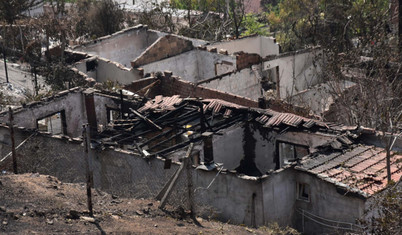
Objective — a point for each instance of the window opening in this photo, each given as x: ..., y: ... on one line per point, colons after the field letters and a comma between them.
x: 289, y: 153
x: 54, y: 123
x: 303, y: 192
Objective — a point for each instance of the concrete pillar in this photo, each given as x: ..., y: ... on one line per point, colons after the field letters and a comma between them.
x: 208, y: 148
x: 90, y: 109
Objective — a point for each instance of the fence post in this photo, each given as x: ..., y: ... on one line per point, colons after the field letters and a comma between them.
x: 87, y: 146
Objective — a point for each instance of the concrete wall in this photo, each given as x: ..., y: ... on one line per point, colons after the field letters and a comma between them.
x: 243, y: 83
x: 230, y: 198
x: 122, y: 46
x: 57, y: 156
x: 162, y: 48
x: 325, y: 202
x: 263, y: 46
x: 206, y: 62
x: 264, y: 148
x: 279, y: 190
x: 191, y: 66
x: 228, y: 147
x: 71, y: 103
x: 297, y: 72
x: 184, y: 65
x: 101, y: 102
x: 238, y: 199
x: 319, y: 98
x: 108, y: 71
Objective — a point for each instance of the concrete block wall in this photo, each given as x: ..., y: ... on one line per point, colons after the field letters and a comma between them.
x: 163, y: 48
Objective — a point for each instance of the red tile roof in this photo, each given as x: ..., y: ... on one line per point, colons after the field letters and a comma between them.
x: 362, y: 168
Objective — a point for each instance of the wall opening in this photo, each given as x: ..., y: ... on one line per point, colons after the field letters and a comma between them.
x: 54, y: 123
x: 270, y: 81
x: 289, y: 153
x: 112, y: 114
x: 303, y: 192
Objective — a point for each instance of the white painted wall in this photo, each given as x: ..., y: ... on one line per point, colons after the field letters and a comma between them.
x: 297, y: 72
x: 261, y: 45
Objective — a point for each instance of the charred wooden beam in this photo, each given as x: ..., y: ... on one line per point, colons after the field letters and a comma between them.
x: 157, y: 137
x: 147, y: 120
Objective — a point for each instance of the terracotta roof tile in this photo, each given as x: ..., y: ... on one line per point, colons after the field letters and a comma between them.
x: 363, y: 168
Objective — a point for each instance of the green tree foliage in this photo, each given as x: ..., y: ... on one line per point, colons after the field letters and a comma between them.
x: 309, y: 22
x: 253, y: 26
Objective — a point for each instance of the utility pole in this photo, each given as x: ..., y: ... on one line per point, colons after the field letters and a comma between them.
x: 86, y: 136
x: 11, y: 126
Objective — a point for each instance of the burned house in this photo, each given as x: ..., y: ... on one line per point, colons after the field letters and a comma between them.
x: 251, y: 67
x: 248, y: 165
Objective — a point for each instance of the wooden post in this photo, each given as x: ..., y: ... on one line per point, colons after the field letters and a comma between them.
x: 11, y: 125
x: 87, y: 145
